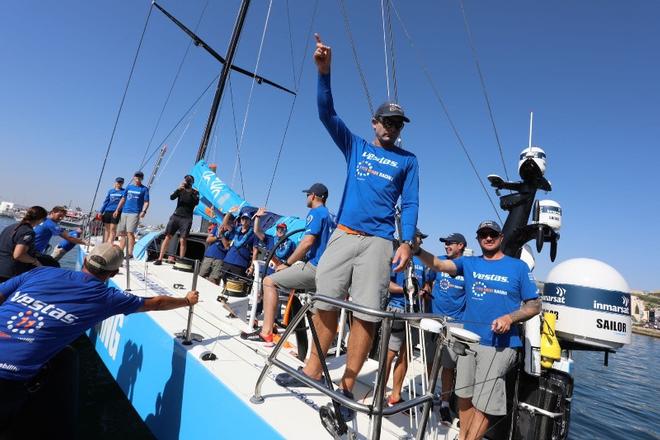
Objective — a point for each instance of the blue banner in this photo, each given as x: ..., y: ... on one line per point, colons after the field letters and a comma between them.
x: 214, y: 193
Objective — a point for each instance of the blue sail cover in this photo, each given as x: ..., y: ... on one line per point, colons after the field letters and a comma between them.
x: 217, y: 198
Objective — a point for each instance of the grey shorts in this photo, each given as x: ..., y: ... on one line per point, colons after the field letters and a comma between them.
x: 481, y: 377
x: 447, y: 356
x: 300, y: 276
x: 211, y: 268
x: 359, y: 263
x: 128, y: 223
x: 398, y: 335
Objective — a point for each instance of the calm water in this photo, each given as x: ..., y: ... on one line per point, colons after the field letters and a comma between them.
x: 621, y: 401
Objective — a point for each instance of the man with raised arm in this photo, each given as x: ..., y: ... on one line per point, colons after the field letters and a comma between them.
x: 500, y: 292
x: 44, y: 310
x: 298, y: 271
x: 359, y: 253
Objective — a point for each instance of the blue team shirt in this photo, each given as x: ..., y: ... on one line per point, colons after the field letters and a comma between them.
x: 44, y: 232
x: 240, y: 252
x: 494, y: 288
x: 135, y: 198
x: 375, y: 179
x: 320, y: 224
x: 216, y: 249
x: 419, y: 272
x: 66, y: 244
x: 47, y: 308
x: 112, y: 200
x: 283, y: 251
x: 448, y: 294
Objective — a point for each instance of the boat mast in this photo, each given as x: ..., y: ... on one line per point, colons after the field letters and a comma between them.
x: 233, y: 43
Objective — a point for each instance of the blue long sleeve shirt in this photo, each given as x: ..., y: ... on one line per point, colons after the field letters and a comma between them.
x: 112, y: 200
x: 375, y: 179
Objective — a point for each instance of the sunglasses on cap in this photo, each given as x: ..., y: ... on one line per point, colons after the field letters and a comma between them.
x: 488, y: 233
x: 390, y: 122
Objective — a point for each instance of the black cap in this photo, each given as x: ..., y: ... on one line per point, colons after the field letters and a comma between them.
x: 188, y: 178
x: 139, y: 174
x: 318, y: 189
x: 387, y: 109
x: 490, y: 224
x: 420, y: 234
x: 454, y: 237
x: 119, y: 180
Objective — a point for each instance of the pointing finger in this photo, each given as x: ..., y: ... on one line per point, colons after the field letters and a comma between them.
x: 318, y: 39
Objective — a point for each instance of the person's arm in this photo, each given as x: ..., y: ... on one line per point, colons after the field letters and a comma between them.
x: 430, y: 260
x: 105, y: 202
x: 120, y: 206
x: 300, y: 252
x: 164, y: 302
x: 176, y: 193
x: 327, y: 114
x: 257, y: 226
x: 21, y: 254
x: 529, y: 308
x: 65, y: 235
x: 395, y: 288
x: 409, y: 212
x: 144, y: 209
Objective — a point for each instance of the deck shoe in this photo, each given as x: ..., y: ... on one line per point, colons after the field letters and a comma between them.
x: 445, y: 415
x: 347, y: 413
x: 256, y: 336
x: 288, y: 381
x: 158, y: 262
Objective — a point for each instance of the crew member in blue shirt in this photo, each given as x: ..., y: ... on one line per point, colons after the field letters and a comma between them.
x: 65, y: 246
x: 400, y: 301
x: 216, y: 251
x: 268, y: 242
x: 108, y: 208
x: 298, y: 271
x: 500, y: 292
x: 50, y: 227
x: 132, y: 207
x: 448, y: 299
x: 359, y: 253
x: 239, y: 256
x: 45, y: 309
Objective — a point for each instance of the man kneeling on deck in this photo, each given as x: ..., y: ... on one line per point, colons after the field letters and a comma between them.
x: 359, y: 252
x: 500, y: 291
x: 44, y: 310
x: 299, y: 270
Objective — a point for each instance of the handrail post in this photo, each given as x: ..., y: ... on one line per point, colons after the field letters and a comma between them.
x: 128, y: 266
x: 187, y: 335
x: 379, y: 393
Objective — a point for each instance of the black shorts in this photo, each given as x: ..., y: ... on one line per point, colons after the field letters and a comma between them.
x: 180, y: 224
x: 108, y: 218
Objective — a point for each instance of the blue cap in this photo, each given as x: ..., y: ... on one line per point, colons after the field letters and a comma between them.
x: 119, y: 180
x: 388, y: 109
x: 490, y: 224
x: 454, y: 237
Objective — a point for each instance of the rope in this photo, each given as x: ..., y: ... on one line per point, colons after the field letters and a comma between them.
x: 427, y: 74
x: 293, y: 104
x: 387, y: 72
x: 169, y: 94
x: 121, y: 106
x: 254, y: 81
x: 347, y: 25
x: 483, y: 87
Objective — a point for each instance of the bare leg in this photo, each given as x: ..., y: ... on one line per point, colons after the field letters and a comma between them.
x: 182, y: 247
x: 479, y: 425
x: 112, y: 233
x: 447, y: 377
x: 131, y: 242
x: 106, y: 232
x: 325, y: 322
x: 359, y: 344
x: 270, y: 306
x: 400, y: 369
x: 388, y: 364
x: 122, y: 241
x: 465, y: 415
x: 163, y: 246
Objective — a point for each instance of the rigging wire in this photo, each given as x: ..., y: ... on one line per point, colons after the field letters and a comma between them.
x: 392, y: 57
x: 237, y: 164
x: 288, y: 20
x: 483, y: 86
x: 347, y: 25
x: 121, y: 106
x: 387, y: 66
x: 174, y: 81
x: 427, y: 74
x: 183, y: 133
x: 254, y: 81
x: 293, y: 104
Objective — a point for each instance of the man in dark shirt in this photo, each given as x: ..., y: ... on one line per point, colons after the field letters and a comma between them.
x: 181, y: 220
x: 17, y: 251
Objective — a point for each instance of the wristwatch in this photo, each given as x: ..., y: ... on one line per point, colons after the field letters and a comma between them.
x: 408, y: 242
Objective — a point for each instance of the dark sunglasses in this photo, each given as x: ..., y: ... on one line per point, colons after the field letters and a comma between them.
x: 391, y: 123
x: 486, y: 234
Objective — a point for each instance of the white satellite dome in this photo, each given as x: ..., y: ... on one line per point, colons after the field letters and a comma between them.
x: 588, y: 272
x: 535, y: 153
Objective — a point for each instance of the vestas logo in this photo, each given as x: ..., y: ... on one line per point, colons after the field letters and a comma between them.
x: 45, y: 308
x: 490, y: 277
x: 380, y: 160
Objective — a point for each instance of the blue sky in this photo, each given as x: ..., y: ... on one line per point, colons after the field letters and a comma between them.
x: 589, y: 70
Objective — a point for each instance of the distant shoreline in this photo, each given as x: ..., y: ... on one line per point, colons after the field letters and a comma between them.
x: 646, y: 331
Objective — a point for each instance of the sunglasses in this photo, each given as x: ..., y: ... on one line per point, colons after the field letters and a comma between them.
x: 391, y: 123
x: 486, y: 234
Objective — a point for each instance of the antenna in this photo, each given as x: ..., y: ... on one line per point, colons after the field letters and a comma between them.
x: 531, y: 124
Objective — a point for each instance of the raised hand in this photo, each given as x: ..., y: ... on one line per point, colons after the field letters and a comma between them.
x: 322, y: 56
x: 260, y: 212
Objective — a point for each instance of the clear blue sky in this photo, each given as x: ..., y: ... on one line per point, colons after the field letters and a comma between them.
x: 589, y: 70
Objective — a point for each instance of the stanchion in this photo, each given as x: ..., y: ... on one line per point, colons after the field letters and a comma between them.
x: 128, y: 267
x: 187, y: 335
